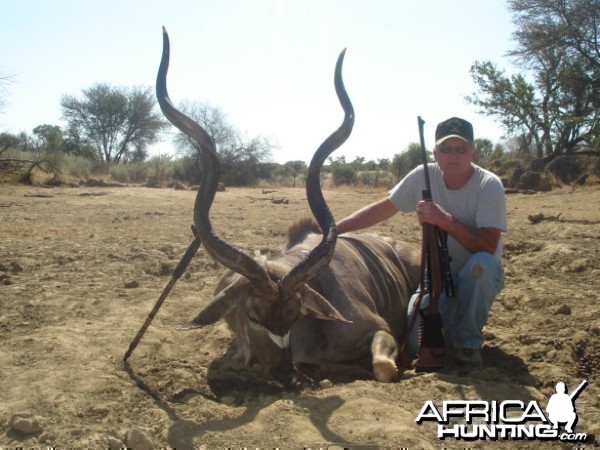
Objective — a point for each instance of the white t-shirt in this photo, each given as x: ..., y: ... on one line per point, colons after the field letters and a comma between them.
x: 479, y: 203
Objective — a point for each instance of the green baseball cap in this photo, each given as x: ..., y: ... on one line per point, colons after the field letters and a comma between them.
x: 454, y: 127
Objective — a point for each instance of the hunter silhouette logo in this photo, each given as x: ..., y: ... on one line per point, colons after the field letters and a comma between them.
x: 508, y: 419
x: 561, y: 406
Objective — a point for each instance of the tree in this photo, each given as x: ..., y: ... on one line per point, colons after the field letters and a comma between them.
x: 384, y: 163
x: 25, y: 142
x: 8, y: 141
x: 358, y: 163
x: 571, y: 28
x: 343, y: 174
x: 75, y: 145
x: 240, y: 157
x: 569, y: 25
x: 114, y: 120
x: 49, y: 138
x: 212, y: 119
x: 18, y: 165
x: 294, y: 168
x: 485, y: 147
x: 407, y: 160
x: 557, y: 112
x: 4, y: 80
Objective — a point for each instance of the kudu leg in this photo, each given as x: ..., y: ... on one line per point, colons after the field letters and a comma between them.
x: 384, y: 351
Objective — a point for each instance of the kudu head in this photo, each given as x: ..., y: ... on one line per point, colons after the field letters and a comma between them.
x: 271, y: 301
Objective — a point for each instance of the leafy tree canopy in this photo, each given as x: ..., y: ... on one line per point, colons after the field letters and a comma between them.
x: 240, y: 156
x: 406, y: 161
x: 554, y: 105
x: 116, y: 121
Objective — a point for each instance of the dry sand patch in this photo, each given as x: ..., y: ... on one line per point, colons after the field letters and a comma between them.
x: 80, y: 268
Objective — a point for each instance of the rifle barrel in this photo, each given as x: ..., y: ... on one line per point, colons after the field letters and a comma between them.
x: 427, y: 191
x: 577, y: 390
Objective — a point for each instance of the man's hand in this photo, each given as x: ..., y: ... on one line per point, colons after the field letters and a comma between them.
x: 429, y: 212
x: 473, y: 239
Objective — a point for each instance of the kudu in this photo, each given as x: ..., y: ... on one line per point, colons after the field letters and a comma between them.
x: 321, y: 300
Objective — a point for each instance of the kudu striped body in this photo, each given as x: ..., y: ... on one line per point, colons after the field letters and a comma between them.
x: 322, y: 299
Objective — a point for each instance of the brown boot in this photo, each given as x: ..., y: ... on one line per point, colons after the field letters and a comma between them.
x: 430, y: 360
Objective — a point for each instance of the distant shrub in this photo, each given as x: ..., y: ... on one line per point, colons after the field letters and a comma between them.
x: 343, y: 174
x: 77, y: 167
x: 504, y: 165
x: 135, y: 172
x: 25, y: 176
x: 187, y: 169
x: 375, y: 179
x: 161, y: 167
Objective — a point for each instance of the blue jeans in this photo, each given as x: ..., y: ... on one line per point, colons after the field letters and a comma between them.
x: 476, y: 285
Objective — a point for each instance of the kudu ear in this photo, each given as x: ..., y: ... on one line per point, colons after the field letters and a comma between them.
x: 221, y: 304
x: 315, y: 305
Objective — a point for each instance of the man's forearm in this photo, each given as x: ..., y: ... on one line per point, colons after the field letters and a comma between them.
x: 473, y: 239
x: 368, y: 216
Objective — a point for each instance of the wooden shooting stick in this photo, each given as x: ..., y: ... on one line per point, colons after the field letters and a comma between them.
x: 179, y: 270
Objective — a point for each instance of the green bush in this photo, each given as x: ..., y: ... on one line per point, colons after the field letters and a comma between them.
x: 504, y: 165
x: 135, y: 172
x: 77, y: 167
x: 376, y: 179
x: 161, y: 167
x: 343, y: 174
x: 187, y: 169
x: 24, y: 176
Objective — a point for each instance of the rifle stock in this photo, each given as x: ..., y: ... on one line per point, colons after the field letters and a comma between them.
x: 434, y: 282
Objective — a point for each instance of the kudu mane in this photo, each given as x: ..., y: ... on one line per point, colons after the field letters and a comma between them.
x: 298, y: 230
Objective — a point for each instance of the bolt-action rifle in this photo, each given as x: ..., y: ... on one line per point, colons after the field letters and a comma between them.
x: 435, y: 277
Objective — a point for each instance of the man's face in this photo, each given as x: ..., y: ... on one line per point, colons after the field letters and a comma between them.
x: 454, y: 156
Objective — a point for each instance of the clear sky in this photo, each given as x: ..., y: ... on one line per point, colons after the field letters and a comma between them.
x: 268, y: 64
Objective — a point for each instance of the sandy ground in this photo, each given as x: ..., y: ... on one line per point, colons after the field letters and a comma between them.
x: 80, y: 268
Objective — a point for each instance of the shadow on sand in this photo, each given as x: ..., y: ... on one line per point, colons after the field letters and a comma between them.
x: 237, y: 385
